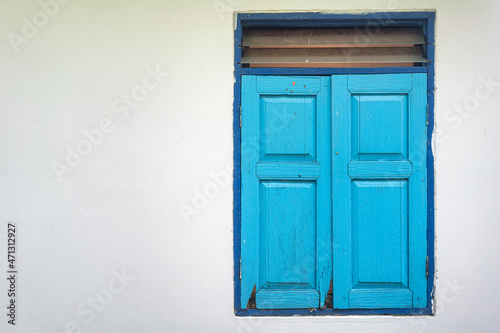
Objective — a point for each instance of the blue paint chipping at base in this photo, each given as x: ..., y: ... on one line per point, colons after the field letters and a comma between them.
x: 424, y: 19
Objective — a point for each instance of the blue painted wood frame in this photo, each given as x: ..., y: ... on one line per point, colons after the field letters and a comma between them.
x: 424, y: 19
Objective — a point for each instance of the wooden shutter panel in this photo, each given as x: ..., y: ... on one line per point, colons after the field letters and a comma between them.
x: 285, y: 192
x: 379, y: 205
x: 333, y: 47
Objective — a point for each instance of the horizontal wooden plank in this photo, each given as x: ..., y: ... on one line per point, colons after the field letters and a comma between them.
x: 338, y: 36
x: 288, y: 170
x: 391, y: 83
x: 299, y: 70
x: 380, y: 169
x: 334, y: 55
x: 327, y: 46
x: 287, y: 299
x: 370, y: 298
x: 338, y: 65
x: 297, y: 84
x: 286, y: 285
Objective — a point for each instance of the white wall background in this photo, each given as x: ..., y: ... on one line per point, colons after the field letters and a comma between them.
x: 119, y: 209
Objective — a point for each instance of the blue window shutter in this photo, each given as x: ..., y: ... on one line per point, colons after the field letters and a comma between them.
x: 286, y: 186
x: 340, y: 157
x: 379, y: 196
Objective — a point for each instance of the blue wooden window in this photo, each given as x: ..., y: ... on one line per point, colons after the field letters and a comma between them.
x: 333, y: 189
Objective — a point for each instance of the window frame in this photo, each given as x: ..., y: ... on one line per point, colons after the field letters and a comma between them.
x: 424, y: 19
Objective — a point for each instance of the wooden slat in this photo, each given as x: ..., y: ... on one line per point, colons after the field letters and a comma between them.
x: 328, y: 46
x: 334, y: 65
x: 341, y: 134
x: 250, y: 196
x: 287, y: 299
x: 417, y: 190
x: 378, y: 83
x: 297, y: 84
x: 337, y: 36
x: 380, y: 298
x: 334, y: 55
x: 379, y: 169
x: 278, y: 170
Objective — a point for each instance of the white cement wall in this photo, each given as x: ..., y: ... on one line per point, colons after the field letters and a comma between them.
x: 107, y: 250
